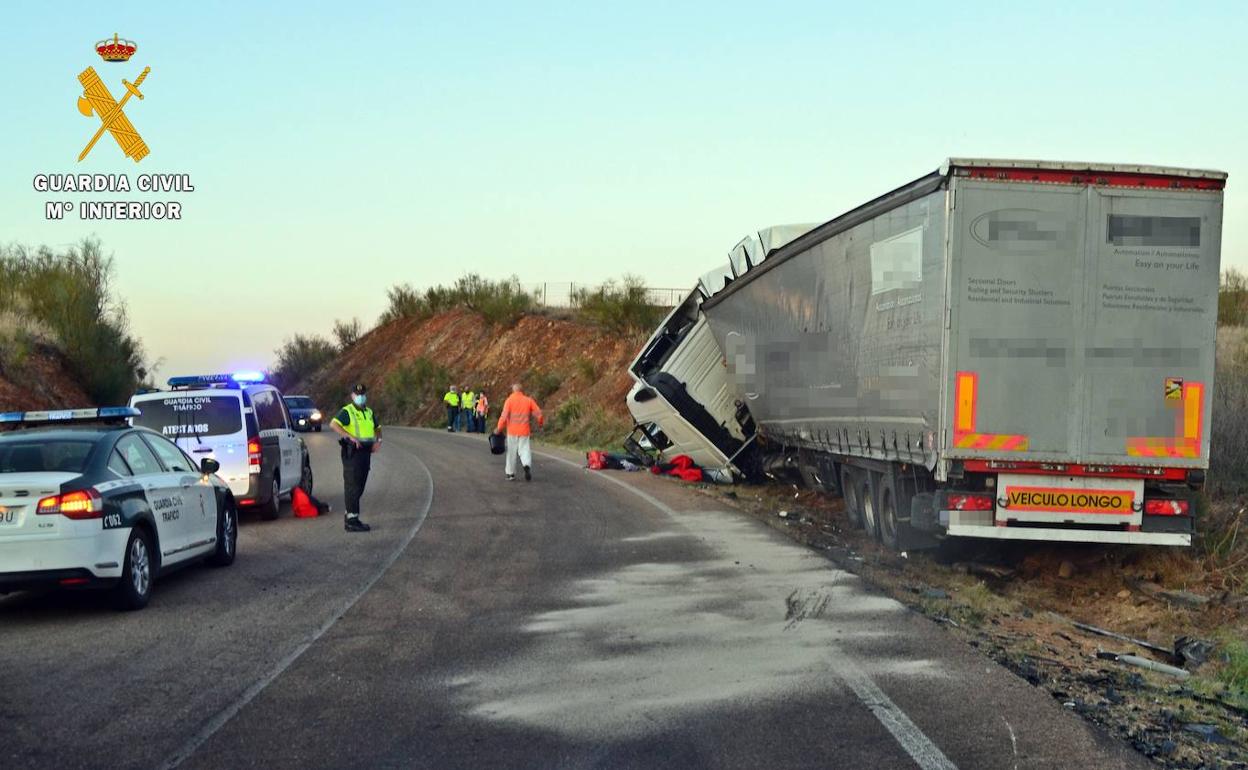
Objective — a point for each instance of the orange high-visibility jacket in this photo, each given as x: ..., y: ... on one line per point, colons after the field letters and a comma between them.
x: 518, y: 411
x: 483, y: 405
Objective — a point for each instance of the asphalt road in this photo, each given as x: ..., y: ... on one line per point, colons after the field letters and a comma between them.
x: 586, y: 619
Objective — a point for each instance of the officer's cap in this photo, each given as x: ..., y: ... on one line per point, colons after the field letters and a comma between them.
x: 359, y: 390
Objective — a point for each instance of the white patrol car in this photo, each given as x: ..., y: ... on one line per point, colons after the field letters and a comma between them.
x: 240, y: 421
x: 87, y: 501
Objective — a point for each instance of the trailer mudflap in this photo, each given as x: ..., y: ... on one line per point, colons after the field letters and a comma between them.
x: 1107, y: 502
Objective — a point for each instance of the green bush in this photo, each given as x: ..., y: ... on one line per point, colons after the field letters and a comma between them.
x: 300, y: 357
x: 569, y: 411
x: 347, y: 333
x: 409, y: 390
x: 590, y: 428
x: 499, y: 302
x: 586, y: 368
x: 66, y: 299
x: 541, y: 384
x: 622, y: 307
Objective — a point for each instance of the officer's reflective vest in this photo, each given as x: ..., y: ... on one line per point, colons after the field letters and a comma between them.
x: 363, y: 427
x: 451, y: 398
x: 466, y: 399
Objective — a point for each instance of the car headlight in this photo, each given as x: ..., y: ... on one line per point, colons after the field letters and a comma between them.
x: 316, y: 415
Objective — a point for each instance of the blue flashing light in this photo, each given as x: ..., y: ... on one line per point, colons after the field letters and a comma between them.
x: 113, y: 412
x: 11, y: 416
x: 207, y: 380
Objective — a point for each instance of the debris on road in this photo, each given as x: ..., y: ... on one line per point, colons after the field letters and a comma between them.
x: 1123, y: 638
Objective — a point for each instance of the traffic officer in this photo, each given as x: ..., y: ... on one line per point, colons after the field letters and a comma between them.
x: 467, y: 402
x: 451, y: 399
x: 360, y: 439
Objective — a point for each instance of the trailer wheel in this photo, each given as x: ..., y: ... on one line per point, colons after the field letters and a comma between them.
x: 870, y: 512
x: 851, y: 493
x: 888, y: 513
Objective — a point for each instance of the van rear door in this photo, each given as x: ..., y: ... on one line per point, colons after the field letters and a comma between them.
x: 204, y: 423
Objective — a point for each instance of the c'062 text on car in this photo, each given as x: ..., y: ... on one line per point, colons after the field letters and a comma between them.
x: 88, y: 501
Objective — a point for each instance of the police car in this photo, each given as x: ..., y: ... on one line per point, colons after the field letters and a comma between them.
x: 87, y: 501
x: 240, y: 421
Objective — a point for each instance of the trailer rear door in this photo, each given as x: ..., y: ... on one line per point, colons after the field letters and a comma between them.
x: 1082, y: 322
x: 1152, y: 288
x: 1016, y: 319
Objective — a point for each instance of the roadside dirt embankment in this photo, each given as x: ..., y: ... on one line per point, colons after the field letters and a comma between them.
x: 37, y: 379
x: 577, y: 372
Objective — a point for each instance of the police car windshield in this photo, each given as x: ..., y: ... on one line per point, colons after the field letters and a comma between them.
x: 298, y: 402
x: 34, y: 455
x: 176, y: 415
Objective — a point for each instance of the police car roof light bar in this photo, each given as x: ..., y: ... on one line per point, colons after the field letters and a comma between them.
x: 108, y: 413
x: 208, y: 380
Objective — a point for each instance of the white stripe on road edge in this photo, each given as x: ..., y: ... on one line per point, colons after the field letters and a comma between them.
x: 926, y: 754
x: 225, y: 715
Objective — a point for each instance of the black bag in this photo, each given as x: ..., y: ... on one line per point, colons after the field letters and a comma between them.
x: 498, y: 444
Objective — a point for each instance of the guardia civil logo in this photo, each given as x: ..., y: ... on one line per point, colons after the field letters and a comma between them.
x: 97, y: 100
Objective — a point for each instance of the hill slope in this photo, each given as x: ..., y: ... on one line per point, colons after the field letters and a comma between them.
x: 37, y: 378
x: 577, y: 372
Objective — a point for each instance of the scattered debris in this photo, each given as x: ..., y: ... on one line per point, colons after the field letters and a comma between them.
x: 1151, y: 665
x: 1192, y: 653
x: 1209, y: 732
x: 986, y: 570
x: 1123, y: 638
x: 934, y: 593
x: 1186, y: 598
x: 1066, y: 571
x: 784, y: 514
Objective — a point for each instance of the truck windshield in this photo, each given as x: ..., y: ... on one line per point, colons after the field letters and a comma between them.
x: 186, y: 415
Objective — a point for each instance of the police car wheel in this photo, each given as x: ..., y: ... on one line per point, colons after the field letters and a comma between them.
x: 135, y: 587
x: 305, y: 480
x: 274, y: 507
x: 227, y: 536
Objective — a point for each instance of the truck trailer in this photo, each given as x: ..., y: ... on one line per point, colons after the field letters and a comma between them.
x: 1007, y: 349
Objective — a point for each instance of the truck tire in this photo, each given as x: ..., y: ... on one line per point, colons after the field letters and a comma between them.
x: 886, y: 508
x: 867, y: 487
x: 851, y: 494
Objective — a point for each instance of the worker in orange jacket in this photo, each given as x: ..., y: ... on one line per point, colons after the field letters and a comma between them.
x: 519, y: 411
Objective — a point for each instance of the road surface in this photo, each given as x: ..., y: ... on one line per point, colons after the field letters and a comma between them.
x: 586, y: 619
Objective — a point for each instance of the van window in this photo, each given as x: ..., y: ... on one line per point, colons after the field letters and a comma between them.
x: 175, y: 416
x: 269, y: 412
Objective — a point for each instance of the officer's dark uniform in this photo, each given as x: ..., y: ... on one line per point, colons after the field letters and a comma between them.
x: 360, y: 423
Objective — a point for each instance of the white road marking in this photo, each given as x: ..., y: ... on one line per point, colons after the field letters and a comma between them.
x: 925, y: 753
x: 229, y: 712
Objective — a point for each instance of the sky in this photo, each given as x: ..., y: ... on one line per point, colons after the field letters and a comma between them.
x: 337, y: 149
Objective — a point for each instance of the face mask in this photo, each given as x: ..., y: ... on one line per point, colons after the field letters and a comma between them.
x: 359, y: 400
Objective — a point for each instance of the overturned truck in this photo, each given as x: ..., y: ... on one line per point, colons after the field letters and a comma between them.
x: 1000, y: 349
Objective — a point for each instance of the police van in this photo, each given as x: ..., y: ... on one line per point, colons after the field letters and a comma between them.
x: 240, y: 421
x: 87, y: 501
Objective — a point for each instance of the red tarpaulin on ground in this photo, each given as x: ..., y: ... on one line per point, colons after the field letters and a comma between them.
x: 681, y: 466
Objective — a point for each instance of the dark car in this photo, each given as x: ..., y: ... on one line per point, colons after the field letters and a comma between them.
x: 87, y: 501
x: 303, y: 413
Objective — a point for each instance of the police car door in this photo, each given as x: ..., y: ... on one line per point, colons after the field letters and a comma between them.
x: 162, y: 490
x: 196, y: 500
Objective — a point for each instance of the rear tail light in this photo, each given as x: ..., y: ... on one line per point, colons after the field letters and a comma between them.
x: 84, y: 504
x: 1158, y: 507
x: 253, y: 455
x: 968, y: 503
